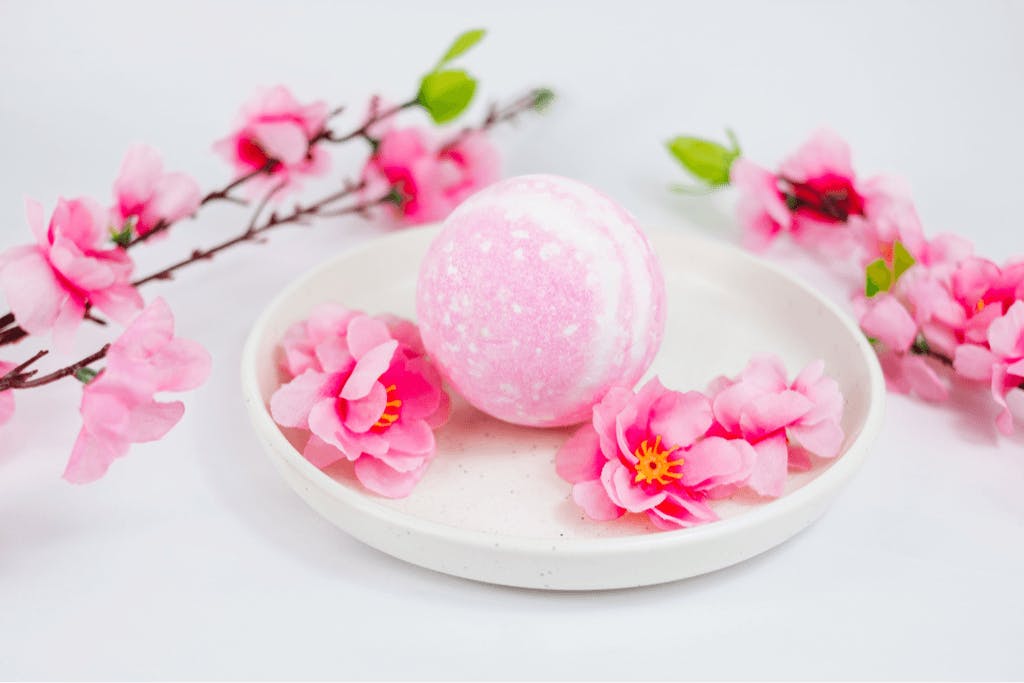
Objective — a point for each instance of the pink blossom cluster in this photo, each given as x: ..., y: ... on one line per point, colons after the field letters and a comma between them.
x: 363, y: 390
x: 668, y: 454
x: 79, y: 267
x: 934, y: 311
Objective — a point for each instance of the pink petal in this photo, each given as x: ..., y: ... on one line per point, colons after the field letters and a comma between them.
x: 1006, y: 334
x: 715, y: 461
x: 91, y: 457
x: 627, y: 493
x: 384, y: 481
x: 321, y: 453
x: 410, y: 436
x: 403, y: 462
x: 680, y: 419
x: 291, y: 405
x: 333, y: 355
x: 974, y: 362
x: 370, y: 366
x: 605, y: 414
x: 580, y: 458
x: 363, y: 413
x: 680, y: 511
x: 366, y: 333
x: 728, y: 405
x: 923, y: 379
x: 768, y: 413
x: 32, y: 291
x: 768, y: 477
x: 284, y: 141
x: 888, y: 321
x: 824, y: 439
x: 140, y: 171
x: 152, y: 420
x: 177, y: 196
x: 120, y: 302
x: 69, y: 319
x: 591, y: 496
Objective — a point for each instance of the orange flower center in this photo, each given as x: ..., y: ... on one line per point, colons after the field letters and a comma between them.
x: 980, y: 306
x: 655, y: 464
x: 391, y: 411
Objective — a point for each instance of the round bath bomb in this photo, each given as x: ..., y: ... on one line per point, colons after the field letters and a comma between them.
x: 538, y: 295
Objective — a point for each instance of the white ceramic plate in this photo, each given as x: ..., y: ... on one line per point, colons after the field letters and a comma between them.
x: 491, y: 507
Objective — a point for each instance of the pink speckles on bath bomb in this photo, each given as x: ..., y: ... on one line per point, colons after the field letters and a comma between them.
x: 540, y: 294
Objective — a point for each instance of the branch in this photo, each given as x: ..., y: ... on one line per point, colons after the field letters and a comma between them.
x: 20, y: 378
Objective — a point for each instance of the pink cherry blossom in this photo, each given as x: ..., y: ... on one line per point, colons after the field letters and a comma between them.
x: 145, y: 193
x: 431, y: 179
x: 366, y: 393
x: 763, y: 407
x: 1000, y: 362
x: 6, y: 397
x: 812, y: 197
x: 118, y: 407
x: 49, y: 284
x: 275, y: 129
x: 648, y: 452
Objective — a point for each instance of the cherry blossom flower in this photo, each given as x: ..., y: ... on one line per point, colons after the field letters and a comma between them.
x: 366, y: 393
x: 812, y: 197
x: 118, y: 406
x: 275, y: 129
x: 648, y: 452
x: 763, y: 407
x: 6, y: 397
x: 48, y: 285
x: 1000, y: 362
x: 147, y: 196
x: 431, y: 180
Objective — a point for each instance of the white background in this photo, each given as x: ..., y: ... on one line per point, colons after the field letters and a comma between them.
x: 192, y: 558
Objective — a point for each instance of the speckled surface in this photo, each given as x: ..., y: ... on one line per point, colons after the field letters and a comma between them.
x: 539, y: 294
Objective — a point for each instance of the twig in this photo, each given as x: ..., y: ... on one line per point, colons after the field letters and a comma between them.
x: 18, y: 378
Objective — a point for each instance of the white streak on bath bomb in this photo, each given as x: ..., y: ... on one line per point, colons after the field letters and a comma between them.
x: 539, y: 295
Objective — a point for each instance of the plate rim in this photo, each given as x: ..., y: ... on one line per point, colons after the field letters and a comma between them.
x: 365, y: 503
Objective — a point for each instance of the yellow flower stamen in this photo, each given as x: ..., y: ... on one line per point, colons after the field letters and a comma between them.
x: 653, y: 464
x: 387, y: 419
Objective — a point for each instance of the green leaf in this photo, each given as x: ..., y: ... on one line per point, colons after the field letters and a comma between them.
x: 85, y: 375
x: 705, y: 159
x: 901, y: 259
x: 542, y: 99
x: 877, y: 278
x: 461, y: 45
x: 122, y: 236
x: 446, y: 94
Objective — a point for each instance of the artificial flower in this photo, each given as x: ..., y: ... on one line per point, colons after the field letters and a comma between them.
x: 648, y: 452
x: 366, y: 394
x: 276, y: 131
x: 49, y: 284
x: 764, y: 408
x: 149, y: 197
x: 430, y: 180
x: 812, y: 196
x: 1000, y: 362
x: 118, y: 406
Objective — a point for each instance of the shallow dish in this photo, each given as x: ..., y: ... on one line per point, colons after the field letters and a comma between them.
x: 491, y: 507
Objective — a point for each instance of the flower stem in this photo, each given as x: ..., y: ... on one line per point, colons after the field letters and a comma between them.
x: 22, y: 378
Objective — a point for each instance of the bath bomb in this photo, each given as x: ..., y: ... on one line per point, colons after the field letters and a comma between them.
x: 538, y: 295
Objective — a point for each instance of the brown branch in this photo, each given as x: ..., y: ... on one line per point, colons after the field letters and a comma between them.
x: 19, y: 378
x: 253, y: 231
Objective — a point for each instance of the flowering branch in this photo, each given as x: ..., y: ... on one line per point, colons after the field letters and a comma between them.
x: 931, y: 308
x: 73, y: 271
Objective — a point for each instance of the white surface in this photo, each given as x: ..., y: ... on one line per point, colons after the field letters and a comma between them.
x: 193, y: 559
x: 491, y: 506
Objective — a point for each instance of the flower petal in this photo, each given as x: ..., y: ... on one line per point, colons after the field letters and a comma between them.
x: 291, y: 404
x: 382, y: 480
x: 768, y: 477
x: 974, y: 362
x: 580, y: 458
x: 361, y: 414
x: 370, y: 366
x: 680, y: 419
x: 591, y: 496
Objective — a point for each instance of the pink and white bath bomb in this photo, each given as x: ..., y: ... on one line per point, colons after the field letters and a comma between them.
x: 539, y: 295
